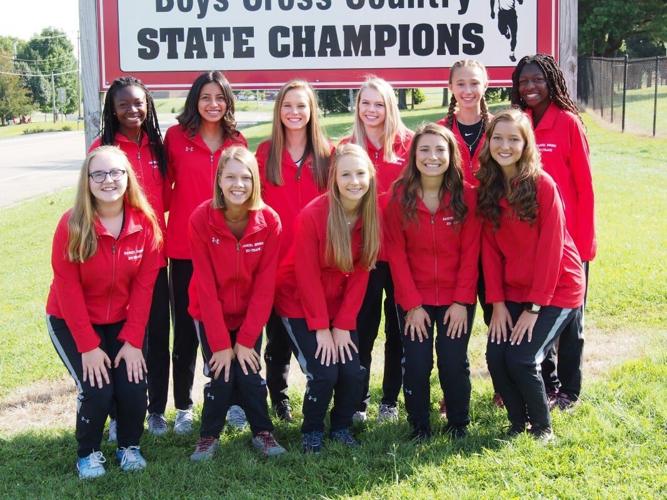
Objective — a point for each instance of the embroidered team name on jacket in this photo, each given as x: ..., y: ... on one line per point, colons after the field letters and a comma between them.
x: 133, y: 255
x: 449, y: 220
x: 255, y: 247
x: 547, y: 147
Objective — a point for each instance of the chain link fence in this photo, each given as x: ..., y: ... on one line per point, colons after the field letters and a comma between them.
x: 630, y: 93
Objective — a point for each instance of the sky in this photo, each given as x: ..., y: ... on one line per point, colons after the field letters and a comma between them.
x: 24, y: 19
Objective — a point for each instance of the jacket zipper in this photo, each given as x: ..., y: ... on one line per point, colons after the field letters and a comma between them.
x: 435, y: 260
x: 113, y: 277
x: 236, y: 281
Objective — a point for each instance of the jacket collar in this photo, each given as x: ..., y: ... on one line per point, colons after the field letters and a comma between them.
x: 131, y: 223
x: 548, y: 120
x: 120, y: 138
x: 216, y: 219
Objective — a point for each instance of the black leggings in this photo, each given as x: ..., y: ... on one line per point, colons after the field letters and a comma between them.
x: 94, y: 404
x: 157, y: 345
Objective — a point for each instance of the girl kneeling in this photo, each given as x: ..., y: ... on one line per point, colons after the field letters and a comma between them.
x: 234, y: 240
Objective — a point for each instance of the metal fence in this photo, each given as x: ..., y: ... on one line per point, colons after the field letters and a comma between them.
x: 631, y: 93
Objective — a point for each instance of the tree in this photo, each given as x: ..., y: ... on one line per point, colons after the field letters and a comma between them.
x: 51, y: 52
x: 14, y: 98
x: 334, y: 101
x: 605, y: 25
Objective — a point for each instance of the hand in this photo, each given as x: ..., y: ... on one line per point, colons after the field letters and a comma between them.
x: 135, y: 364
x: 247, y: 356
x: 457, y: 316
x: 326, y: 349
x: 416, y: 321
x: 524, y: 325
x: 343, y: 342
x: 221, y: 360
x: 95, y: 364
x: 500, y: 321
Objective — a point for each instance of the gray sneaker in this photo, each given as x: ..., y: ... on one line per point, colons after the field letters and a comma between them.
x: 359, y: 417
x: 113, y: 426
x: 267, y: 444
x: 236, y: 417
x: 183, y: 422
x: 205, y: 449
x: 387, y: 413
x: 157, y: 424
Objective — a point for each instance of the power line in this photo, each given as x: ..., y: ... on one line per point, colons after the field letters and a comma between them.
x: 29, y: 75
x: 64, y: 57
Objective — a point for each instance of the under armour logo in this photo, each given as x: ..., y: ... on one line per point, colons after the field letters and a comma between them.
x: 215, y: 241
x: 408, y: 391
x: 189, y: 149
x: 210, y: 396
x: 312, y: 398
x: 85, y: 420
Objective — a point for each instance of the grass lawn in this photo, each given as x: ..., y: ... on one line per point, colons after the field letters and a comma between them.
x: 38, y: 126
x: 613, y: 445
x: 639, y: 105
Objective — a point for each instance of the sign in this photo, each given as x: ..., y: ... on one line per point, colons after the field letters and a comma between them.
x: 260, y: 44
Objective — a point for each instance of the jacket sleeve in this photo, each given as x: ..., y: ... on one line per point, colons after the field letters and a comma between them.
x: 67, y: 285
x: 308, y: 273
x: 263, y: 289
x: 492, y: 266
x: 210, y: 306
x: 141, y: 293
x: 355, y: 289
x: 405, y: 290
x: 580, y: 166
x: 549, y: 252
x: 471, y: 233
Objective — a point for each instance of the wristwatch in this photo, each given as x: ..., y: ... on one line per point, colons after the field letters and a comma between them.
x: 532, y: 308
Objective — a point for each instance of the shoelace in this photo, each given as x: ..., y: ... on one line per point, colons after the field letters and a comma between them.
x: 205, y: 443
x: 345, y: 437
x: 267, y: 439
x: 96, y: 459
x: 130, y: 455
x: 313, y: 440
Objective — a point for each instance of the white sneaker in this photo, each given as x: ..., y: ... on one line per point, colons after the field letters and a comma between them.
x: 387, y: 413
x: 359, y: 417
x: 236, y: 417
x: 113, y: 427
x: 183, y: 422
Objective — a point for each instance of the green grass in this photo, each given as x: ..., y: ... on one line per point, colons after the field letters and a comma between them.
x: 639, y: 104
x: 612, y: 446
x: 38, y: 126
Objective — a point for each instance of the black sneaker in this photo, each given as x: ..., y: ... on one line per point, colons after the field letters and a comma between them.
x: 516, y: 430
x: 420, y: 434
x: 456, y: 431
x: 284, y: 411
x: 542, y: 434
x: 565, y: 402
x: 345, y: 437
x: 312, y: 441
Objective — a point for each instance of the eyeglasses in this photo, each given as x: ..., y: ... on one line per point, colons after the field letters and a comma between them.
x: 100, y: 176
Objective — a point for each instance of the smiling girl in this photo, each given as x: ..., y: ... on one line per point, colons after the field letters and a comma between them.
x: 206, y: 127
x: 433, y: 248
x: 321, y: 285
x: 231, y: 303
x: 105, y: 258
x: 534, y: 276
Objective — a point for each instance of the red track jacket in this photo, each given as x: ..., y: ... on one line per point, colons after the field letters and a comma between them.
x: 115, y: 284
x: 533, y: 263
x: 234, y: 280
x: 191, y: 170
x: 308, y: 287
x: 433, y: 260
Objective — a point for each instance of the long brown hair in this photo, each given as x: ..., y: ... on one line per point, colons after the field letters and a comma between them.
x: 393, y: 125
x: 521, y: 191
x: 317, y: 145
x: 408, y: 186
x: 339, y: 241
x: 82, y: 238
x: 245, y: 157
x: 484, y: 110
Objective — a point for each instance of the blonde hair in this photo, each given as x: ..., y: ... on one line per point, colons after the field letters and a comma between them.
x: 484, y: 110
x: 339, y: 241
x: 393, y: 125
x: 248, y: 160
x: 317, y: 145
x: 82, y: 238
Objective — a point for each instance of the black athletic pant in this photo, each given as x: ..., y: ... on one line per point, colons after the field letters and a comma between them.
x: 157, y: 345
x: 342, y: 381
x: 184, y: 352
x: 562, y: 366
x: 507, y: 25
x: 515, y: 369
x: 277, y: 355
x: 368, y: 324
x: 453, y: 370
x: 94, y: 403
x: 247, y: 390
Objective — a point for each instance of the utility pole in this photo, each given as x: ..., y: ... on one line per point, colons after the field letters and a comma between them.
x: 90, y: 74
x: 53, y: 95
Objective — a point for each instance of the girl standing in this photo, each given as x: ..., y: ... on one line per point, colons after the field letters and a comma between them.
x: 378, y: 129
x: 105, y: 258
x: 206, y: 127
x: 534, y: 276
x: 294, y: 166
x: 539, y: 89
x: 435, y: 275
x: 321, y: 285
x: 231, y: 303
x: 129, y: 121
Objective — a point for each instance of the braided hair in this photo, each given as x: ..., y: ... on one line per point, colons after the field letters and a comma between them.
x: 110, y: 124
x: 484, y: 109
x: 558, y: 93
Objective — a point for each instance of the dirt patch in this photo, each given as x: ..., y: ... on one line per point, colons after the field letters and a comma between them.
x: 53, y: 404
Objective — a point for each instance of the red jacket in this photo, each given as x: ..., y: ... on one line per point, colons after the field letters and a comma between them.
x: 433, y: 260
x: 387, y: 172
x: 115, y: 284
x: 156, y: 187
x: 469, y: 164
x: 566, y: 157
x: 298, y: 189
x: 533, y: 262
x: 309, y: 287
x: 234, y: 280
x: 191, y: 170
